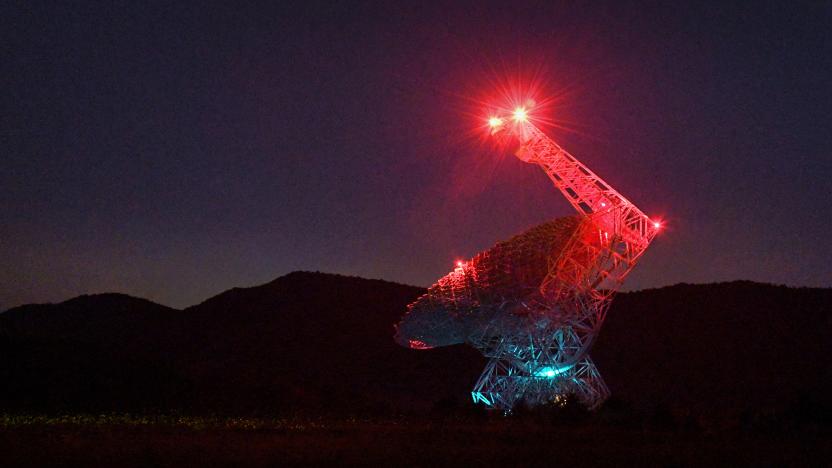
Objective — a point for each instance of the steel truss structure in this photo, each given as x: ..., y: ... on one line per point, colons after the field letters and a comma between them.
x: 535, y: 303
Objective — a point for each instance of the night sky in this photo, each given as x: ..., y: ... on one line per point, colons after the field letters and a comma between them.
x: 175, y: 151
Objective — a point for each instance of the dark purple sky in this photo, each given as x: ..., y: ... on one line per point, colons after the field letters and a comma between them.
x: 172, y: 152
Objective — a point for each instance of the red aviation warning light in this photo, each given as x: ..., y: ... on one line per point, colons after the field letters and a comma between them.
x: 520, y: 114
x: 495, y: 124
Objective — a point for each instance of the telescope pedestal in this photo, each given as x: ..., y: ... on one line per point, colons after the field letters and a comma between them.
x: 502, y: 385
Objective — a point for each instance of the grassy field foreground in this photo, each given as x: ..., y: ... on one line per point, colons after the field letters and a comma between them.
x: 187, y: 441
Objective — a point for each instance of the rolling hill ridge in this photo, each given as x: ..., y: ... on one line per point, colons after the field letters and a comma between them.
x: 314, y: 343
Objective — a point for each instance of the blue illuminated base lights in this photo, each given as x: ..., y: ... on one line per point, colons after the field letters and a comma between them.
x: 503, y: 384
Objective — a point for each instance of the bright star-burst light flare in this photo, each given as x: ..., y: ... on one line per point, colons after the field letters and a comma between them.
x: 520, y: 114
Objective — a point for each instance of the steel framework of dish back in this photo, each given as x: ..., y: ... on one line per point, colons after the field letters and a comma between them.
x: 535, y: 303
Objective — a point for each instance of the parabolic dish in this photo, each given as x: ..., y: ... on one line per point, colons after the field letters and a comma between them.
x: 494, y: 283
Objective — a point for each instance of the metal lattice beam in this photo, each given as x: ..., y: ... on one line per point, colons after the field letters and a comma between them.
x: 535, y: 303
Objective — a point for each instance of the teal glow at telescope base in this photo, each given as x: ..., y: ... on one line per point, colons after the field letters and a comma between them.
x: 550, y: 372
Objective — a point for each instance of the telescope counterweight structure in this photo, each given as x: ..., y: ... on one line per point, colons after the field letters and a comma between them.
x: 535, y: 303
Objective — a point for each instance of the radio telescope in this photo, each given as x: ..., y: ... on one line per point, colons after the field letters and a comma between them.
x: 534, y: 304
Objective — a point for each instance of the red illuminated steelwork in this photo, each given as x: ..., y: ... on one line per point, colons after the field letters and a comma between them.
x: 594, y: 266
x: 534, y: 304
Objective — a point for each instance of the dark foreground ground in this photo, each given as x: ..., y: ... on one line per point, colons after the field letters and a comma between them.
x: 172, y: 441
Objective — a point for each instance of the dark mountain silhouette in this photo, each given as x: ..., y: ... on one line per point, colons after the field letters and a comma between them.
x: 720, y: 349
x: 306, y: 342
x: 318, y: 343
